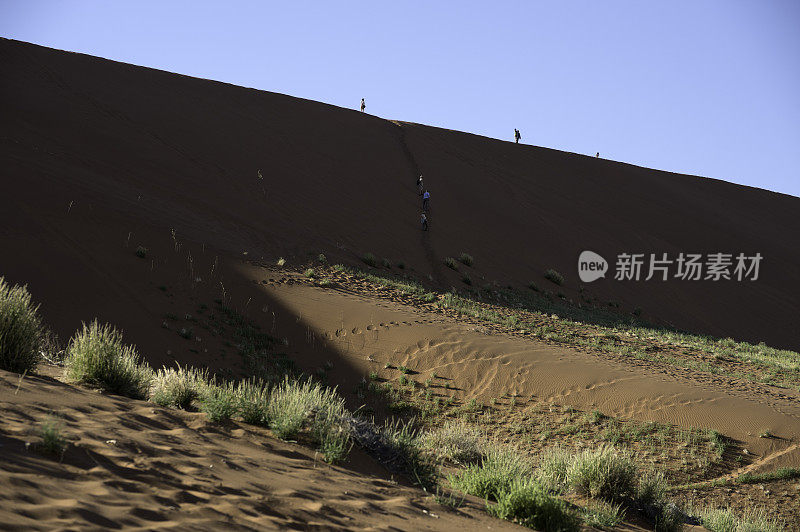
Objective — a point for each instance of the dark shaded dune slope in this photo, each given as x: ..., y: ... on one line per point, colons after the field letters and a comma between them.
x: 142, y: 151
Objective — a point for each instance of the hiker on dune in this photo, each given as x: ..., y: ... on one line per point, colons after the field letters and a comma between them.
x: 424, y: 221
x: 426, y: 201
x: 363, y: 105
x: 517, y: 136
x: 419, y: 184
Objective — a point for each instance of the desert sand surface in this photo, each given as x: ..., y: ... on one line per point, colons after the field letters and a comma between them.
x: 218, y: 181
x: 135, y: 466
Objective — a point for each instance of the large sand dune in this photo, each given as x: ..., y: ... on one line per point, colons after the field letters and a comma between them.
x: 138, y: 148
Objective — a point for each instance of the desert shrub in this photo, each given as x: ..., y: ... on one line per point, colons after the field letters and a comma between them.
x: 552, y: 468
x: 450, y: 262
x: 495, y: 473
x: 321, y: 258
x: 554, y: 276
x: 466, y: 259
x: 141, y: 252
x: 96, y: 356
x: 53, y: 440
x: 387, y: 263
x: 309, y: 273
x: 296, y: 407
x: 455, y: 441
x: 369, y: 259
x: 280, y: 262
x: 603, y: 473
x: 527, y: 503
x: 466, y: 279
x: 218, y: 401
x: 533, y: 286
x: 253, y: 402
x: 20, y: 329
x: 177, y: 387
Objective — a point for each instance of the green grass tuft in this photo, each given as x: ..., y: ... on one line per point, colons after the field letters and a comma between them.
x: 455, y: 441
x: 554, y: 276
x: 20, y: 329
x: 782, y: 473
x: 553, y: 468
x: 177, y: 387
x: 525, y: 502
x: 219, y: 401
x: 53, y: 440
x: 305, y: 407
x: 496, y: 472
x: 252, y: 397
x: 96, y: 356
x: 603, y: 473
x: 466, y: 259
x: 724, y: 520
x: 370, y: 260
x: 603, y: 515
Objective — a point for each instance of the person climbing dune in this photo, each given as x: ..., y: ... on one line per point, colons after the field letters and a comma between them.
x: 363, y: 105
x: 517, y: 135
x: 424, y: 221
x: 426, y: 201
x: 419, y: 184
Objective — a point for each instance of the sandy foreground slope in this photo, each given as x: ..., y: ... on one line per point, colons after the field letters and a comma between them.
x: 134, y: 465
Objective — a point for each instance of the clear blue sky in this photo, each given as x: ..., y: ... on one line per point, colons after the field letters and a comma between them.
x: 702, y: 87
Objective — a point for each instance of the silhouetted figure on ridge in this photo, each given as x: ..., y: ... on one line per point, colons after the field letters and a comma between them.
x: 517, y: 135
x: 598, y: 155
x: 363, y: 105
